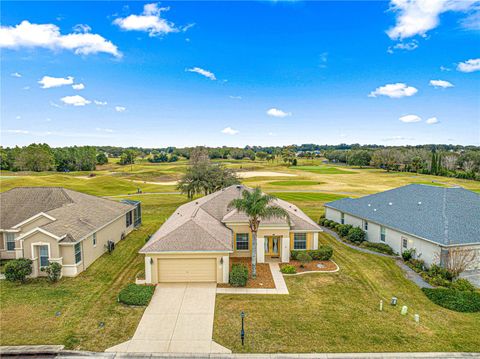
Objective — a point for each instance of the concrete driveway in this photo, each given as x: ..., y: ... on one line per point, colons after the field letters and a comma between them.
x: 473, y: 276
x: 179, y: 319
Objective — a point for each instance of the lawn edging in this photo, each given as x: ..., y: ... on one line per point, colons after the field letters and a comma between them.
x: 316, y: 271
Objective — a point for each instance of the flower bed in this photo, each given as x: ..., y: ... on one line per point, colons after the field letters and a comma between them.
x: 313, y: 266
x: 264, y: 277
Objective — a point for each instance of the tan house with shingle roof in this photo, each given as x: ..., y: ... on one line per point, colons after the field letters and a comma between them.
x: 53, y: 224
x: 197, y: 241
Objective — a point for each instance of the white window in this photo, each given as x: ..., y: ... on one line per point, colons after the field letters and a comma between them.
x: 78, y: 253
x: 300, y: 241
x: 382, y: 234
x: 43, y: 255
x: 94, y: 239
x: 241, y: 240
x: 365, y: 226
x: 10, y: 239
x: 404, y: 242
x: 342, y: 218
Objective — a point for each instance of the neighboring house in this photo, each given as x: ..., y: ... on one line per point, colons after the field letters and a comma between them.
x: 197, y: 241
x: 430, y: 219
x: 52, y: 224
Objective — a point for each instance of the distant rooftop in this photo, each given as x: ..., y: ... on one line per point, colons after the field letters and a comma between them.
x: 447, y: 216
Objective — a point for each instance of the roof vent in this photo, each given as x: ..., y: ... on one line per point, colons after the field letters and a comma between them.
x: 419, y: 203
x: 390, y: 203
x: 374, y: 209
x: 369, y: 205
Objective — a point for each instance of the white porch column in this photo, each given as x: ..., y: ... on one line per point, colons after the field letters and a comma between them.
x: 286, y: 249
x: 315, y: 240
x: 226, y: 268
x: 148, y: 270
x: 260, y: 250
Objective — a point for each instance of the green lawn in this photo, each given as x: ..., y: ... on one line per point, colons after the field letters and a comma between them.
x: 338, y: 312
x: 324, y: 170
x: 294, y: 183
x: 28, y: 311
x: 311, y: 202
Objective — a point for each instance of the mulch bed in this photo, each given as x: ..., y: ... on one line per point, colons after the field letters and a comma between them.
x: 264, y: 277
x: 327, y: 266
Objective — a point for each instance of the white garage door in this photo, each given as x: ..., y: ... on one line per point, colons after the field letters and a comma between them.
x: 187, y: 270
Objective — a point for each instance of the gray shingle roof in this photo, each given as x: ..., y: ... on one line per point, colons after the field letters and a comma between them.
x: 448, y: 216
x: 76, y: 214
x: 198, y: 225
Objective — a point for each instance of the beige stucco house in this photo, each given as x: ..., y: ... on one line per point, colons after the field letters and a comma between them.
x: 197, y: 241
x: 53, y: 224
x: 430, y: 219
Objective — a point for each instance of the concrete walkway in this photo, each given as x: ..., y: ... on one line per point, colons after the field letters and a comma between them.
x: 409, y: 272
x: 473, y: 276
x: 280, y: 285
x: 179, y: 319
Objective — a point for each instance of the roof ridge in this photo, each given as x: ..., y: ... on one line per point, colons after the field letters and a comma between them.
x: 206, y: 228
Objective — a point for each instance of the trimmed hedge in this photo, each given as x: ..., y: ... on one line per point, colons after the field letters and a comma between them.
x: 379, y: 247
x: 238, y: 275
x: 323, y: 253
x: 288, y: 269
x: 134, y: 294
x: 459, y: 301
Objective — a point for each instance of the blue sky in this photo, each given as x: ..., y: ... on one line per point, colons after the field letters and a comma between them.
x: 240, y: 73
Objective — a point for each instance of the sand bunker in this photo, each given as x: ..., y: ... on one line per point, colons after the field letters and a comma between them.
x: 166, y: 183
x: 263, y: 174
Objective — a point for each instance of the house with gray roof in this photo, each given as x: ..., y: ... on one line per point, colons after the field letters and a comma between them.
x: 196, y: 242
x: 430, y: 219
x: 54, y: 224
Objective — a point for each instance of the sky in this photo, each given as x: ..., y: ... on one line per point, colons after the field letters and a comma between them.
x: 240, y: 73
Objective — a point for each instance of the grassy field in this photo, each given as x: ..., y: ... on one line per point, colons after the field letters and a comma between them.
x: 338, y: 312
x: 328, y: 312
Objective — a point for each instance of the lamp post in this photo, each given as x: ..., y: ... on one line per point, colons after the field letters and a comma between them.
x: 242, y: 332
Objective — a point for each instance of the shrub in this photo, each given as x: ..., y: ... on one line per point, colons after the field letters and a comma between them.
x: 437, y: 271
x: 294, y: 254
x: 337, y: 226
x: 459, y: 301
x: 303, y: 257
x: 323, y: 253
x: 238, y: 275
x: 54, y: 271
x: 134, y: 294
x: 18, y: 269
x: 463, y: 285
x: 418, y: 265
x: 379, y: 247
x: 407, y: 254
x: 356, y: 235
x: 343, y: 230
x: 437, y: 281
x: 288, y: 269
x: 322, y: 221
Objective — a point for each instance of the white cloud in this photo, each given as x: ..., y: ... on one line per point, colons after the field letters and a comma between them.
x: 397, y: 138
x: 109, y: 130
x: 410, y: 119
x: 440, y: 83
x: 273, y: 134
x: 49, y: 82
x: 120, y: 108
x: 472, y: 21
x: 55, y: 104
x: 323, y: 60
x: 397, y: 90
x: 405, y: 46
x: 82, y: 28
x: 202, y: 72
x: 18, y: 132
x: 149, y: 21
x: 275, y: 112
x: 444, y: 68
x: 26, y: 87
x: 18, y: 117
x: 469, y: 65
x: 78, y: 86
x: 235, y: 97
x: 417, y: 17
x: 229, y: 131
x: 432, y: 121
x: 76, y: 100
x: 100, y: 103
x: 15, y: 74
x: 48, y: 36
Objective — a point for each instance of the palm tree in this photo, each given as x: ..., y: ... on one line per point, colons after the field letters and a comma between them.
x: 257, y: 206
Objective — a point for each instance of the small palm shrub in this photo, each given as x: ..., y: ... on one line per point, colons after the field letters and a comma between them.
x: 407, y: 254
x: 288, y: 269
x: 17, y: 270
x: 238, y: 275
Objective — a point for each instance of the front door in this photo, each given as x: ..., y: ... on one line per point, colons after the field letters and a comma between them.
x: 272, y: 246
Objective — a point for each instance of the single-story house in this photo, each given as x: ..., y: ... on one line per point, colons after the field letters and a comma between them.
x: 198, y: 239
x: 430, y: 219
x: 53, y: 224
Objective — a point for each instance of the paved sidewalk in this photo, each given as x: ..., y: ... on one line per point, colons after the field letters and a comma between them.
x: 179, y: 319
x: 280, y: 285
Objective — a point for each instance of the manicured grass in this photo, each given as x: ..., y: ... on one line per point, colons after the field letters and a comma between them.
x: 324, y: 170
x: 338, y: 312
x: 311, y: 202
x: 28, y: 311
x: 294, y: 183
